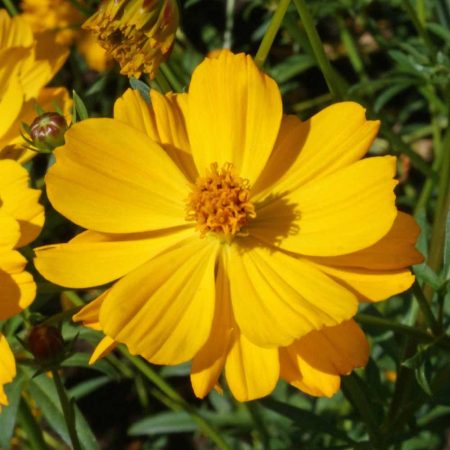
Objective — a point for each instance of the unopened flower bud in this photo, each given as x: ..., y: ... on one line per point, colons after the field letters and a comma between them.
x: 45, y: 343
x: 138, y: 34
x: 48, y: 129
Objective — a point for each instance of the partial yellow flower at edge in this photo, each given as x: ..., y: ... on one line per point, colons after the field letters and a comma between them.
x: 138, y: 34
x: 20, y: 213
x: 303, y: 215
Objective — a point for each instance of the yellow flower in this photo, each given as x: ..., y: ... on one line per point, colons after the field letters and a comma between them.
x: 138, y: 34
x: 225, y: 221
x: 63, y: 20
x: 21, y: 220
x: 26, y: 66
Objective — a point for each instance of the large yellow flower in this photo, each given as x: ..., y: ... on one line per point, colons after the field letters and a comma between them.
x: 229, y: 226
x: 21, y: 220
x: 26, y: 66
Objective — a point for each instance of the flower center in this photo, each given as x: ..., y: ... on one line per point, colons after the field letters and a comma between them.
x: 220, y: 202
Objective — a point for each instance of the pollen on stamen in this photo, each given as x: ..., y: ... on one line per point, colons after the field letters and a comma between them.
x: 220, y: 202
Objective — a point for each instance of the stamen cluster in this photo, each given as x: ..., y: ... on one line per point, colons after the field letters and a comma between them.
x: 220, y: 202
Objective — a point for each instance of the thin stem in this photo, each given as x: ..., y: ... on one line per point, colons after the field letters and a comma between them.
x: 272, y: 30
x: 32, y: 430
x: 352, y: 49
x: 229, y: 24
x: 68, y: 410
x: 420, y: 335
x: 421, y: 30
x: 162, y: 82
x: 328, y: 72
x: 425, y: 308
x: 176, y: 402
x: 170, y: 77
x: 10, y: 7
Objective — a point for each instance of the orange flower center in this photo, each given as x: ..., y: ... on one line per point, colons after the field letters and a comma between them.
x: 220, y: 202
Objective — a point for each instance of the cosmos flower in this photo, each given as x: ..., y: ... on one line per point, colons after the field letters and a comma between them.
x: 61, y: 19
x: 26, y: 66
x: 21, y: 220
x: 227, y: 224
x: 138, y: 34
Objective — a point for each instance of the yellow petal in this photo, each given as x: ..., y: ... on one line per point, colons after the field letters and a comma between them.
x: 89, y: 314
x: 20, y: 201
x: 396, y: 250
x: 251, y: 371
x: 164, y: 309
x: 278, y: 298
x: 14, y: 31
x: 104, y: 348
x: 371, y: 285
x: 93, y: 259
x: 234, y: 114
x: 332, y: 139
x: 17, y: 288
x: 10, y: 233
x: 111, y: 178
x: 208, y: 363
x: 305, y: 377
x: 163, y: 122
x: 344, y: 212
x: 335, y: 350
x: 7, y: 368
x: 10, y: 105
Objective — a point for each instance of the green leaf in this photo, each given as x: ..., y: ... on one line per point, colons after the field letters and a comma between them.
x: 8, y: 414
x: 426, y: 274
x: 143, y: 88
x: 446, y: 269
x: 163, y: 423
x: 79, y: 106
x: 88, y: 386
x: 44, y: 394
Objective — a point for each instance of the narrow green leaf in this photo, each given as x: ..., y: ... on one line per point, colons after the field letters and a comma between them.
x: 162, y: 423
x: 143, y: 88
x: 8, y: 414
x: 80, y: 106
x: 446, y: 269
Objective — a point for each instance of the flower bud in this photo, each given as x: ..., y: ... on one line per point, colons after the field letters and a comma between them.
x: 47, y: 130
x: 46, y: 343
x: 138, y: 34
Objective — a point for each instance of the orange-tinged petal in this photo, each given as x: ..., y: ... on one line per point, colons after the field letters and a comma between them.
x: 334, y: 138
x: 278, y: 298
x: 14, y: 31
x: 7, y: 368
x: 251, y: 371
x: 104, y: 348
x: 208, y: 363
x: 344, y: 212
x: 20, y: 201
x: 93, y: 259
x: 164, y: 309
x: 396, y: 250
x: 17, y: 288
x: 234, y: 114
x: 109, y: 177
x: 305, y: 377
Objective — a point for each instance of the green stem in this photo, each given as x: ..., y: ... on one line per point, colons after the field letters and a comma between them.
x: 440, y: 220
x: 354, y: 390
x: 229, y: 24
x: 272, y: 30
x: 425, y: 308
x: 170, y: 77
x: 176, y: 402
x: 331, y: 78
x: 67, y: 409
x: 161, y: 81
x: 421, y: 30
x: 352, y: 49
x: 10, y: 7
x: 32, y: 430
x: 420, y: 335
